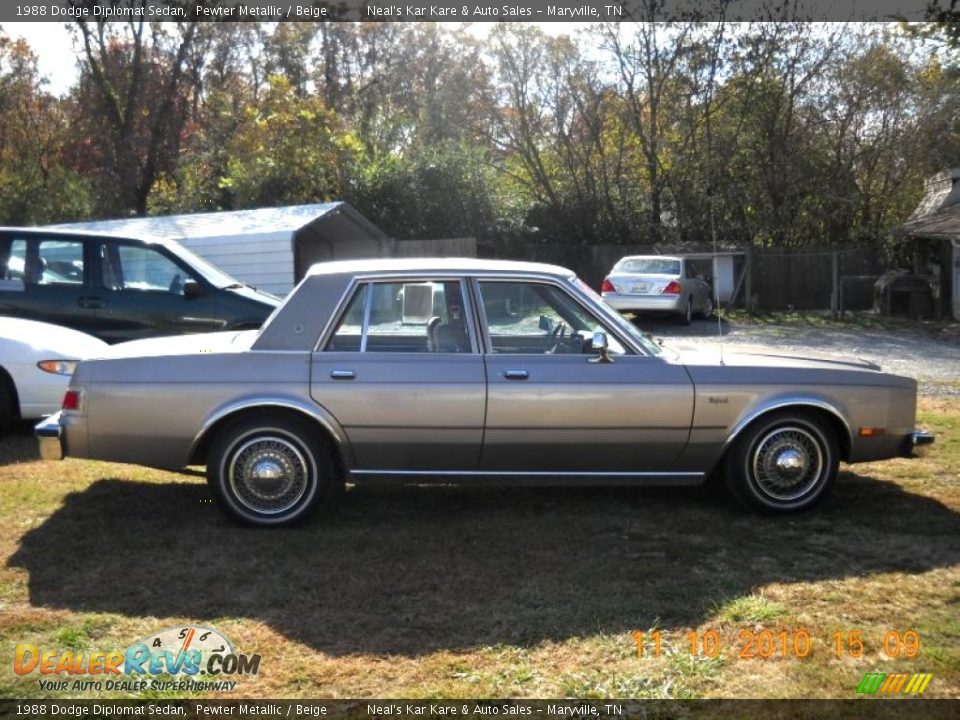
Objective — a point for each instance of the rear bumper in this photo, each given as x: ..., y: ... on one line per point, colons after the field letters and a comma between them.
x: 50, y: 436
x: 917, y: 442
x: 653, y: 303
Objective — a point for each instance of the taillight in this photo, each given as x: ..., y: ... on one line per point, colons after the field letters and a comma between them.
x: 71, y: 400
x: 607, y: 286
x: 672, y: 288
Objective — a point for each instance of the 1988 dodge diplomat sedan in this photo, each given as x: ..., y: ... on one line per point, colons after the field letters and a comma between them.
x: 465, y: 370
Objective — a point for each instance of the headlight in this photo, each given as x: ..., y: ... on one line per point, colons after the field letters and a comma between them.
x: 58, y: 367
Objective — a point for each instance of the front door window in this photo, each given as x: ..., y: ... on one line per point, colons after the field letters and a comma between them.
x: 539, y: 318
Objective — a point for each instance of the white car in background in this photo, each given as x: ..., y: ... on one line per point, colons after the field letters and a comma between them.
x: 657, y: 283
x: 36, y: 362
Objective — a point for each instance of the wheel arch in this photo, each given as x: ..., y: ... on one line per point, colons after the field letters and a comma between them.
x: 820, y: 407
x: 327, y: 425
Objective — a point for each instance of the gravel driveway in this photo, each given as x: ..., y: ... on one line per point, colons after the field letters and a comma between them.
x: 929, y: 353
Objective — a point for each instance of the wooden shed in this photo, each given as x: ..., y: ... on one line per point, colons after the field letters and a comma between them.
x: 935, y: 229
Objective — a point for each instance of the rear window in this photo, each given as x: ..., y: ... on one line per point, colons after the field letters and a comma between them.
x: 654, y: 266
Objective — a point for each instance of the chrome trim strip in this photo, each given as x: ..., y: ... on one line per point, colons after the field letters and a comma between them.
x: 367, y: 304
x: 529, y: 473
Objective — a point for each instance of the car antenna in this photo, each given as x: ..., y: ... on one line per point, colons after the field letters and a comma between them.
x: 716, y: 285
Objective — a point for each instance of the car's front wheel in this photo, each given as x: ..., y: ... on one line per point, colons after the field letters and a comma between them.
x: 272, y: 470
x: 785, y: 462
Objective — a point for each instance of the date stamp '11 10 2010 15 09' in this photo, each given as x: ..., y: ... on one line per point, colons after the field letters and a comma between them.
x: 765, y: 644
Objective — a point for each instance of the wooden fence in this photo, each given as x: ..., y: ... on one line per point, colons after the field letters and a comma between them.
x: 766, y: 278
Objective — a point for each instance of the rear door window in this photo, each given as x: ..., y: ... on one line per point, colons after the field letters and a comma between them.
x: 407, y: 317
x: 45, y: 262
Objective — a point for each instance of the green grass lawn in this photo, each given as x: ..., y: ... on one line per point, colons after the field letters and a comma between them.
x: 450, y: 592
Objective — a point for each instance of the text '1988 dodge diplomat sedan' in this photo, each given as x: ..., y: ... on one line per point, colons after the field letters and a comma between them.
x: 471, y: 371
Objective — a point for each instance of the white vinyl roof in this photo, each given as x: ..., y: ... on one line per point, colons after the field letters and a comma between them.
x: 433, y: 265
x: 260, y: 221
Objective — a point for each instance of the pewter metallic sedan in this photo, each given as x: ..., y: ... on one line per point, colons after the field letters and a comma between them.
x: 449, y: 370
x: 643, y: 283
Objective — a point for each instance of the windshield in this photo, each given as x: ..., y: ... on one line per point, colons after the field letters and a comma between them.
x: 653, y: 266
x: 211, y: 273
x: 624, y: 325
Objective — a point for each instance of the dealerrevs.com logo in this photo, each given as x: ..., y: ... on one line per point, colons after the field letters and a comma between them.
x: 178, y: 658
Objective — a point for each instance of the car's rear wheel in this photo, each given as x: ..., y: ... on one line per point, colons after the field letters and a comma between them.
x: 272, y: 470
x: 687, y: 315
x: 784, y: 462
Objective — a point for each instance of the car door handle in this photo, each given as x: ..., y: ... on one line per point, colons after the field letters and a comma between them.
x: 342, y: 374
x: 92, y: 303
x: 516, y: 374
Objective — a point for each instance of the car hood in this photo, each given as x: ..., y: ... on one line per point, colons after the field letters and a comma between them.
x: 758, y: 356
x: 251, y: 293
x: 217, y: 342
x: 47, y: 341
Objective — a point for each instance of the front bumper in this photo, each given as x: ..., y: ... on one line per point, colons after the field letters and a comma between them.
x: 917, y: 443
x: 50, y: 436
x: 628, y: 302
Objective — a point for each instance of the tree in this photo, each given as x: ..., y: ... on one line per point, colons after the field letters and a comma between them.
x: 287, y: 150
x: 134, y: 100
x: 35, y: 184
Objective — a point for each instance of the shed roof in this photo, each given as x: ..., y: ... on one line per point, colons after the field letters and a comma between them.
x: 259, y: 221
x: 938, y: 214
x: 944, y: 224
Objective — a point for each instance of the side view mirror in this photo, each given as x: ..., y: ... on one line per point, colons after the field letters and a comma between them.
x: 600, y: 345
x: 192, y: 290
x: 546, y: 323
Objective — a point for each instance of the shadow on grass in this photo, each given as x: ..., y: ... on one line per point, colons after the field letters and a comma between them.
x: 413, y: 570
x: 18, y: 444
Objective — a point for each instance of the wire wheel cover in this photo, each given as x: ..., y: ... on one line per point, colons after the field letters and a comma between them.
x: 787, y: 463
x: 268, y: 474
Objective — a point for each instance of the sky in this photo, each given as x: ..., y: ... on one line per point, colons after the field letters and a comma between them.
x: 59, y: 66
x: 50, y: 42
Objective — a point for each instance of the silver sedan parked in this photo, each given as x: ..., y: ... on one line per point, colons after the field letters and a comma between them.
x: 448, y: 370
x: 644, y: 283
